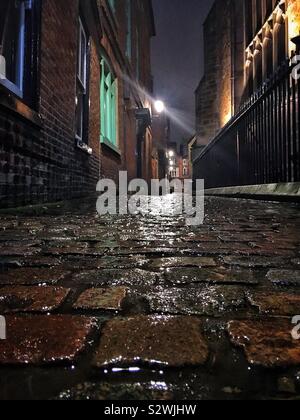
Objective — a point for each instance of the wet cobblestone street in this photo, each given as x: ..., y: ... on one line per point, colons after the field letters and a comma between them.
x: 148, y: 308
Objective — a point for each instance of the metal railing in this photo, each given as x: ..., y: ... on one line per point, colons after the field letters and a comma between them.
x: 260, y: 145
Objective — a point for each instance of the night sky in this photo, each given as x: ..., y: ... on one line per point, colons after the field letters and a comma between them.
x: 177, y: 60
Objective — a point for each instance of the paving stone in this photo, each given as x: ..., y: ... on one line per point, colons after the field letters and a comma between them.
x: 74, y: 251
x: 116, y: 278
x: 201, y: 238
x: 284, y: 277
x: 167, y: 341
x: 266, y: 343
x: 42, y: 339
x: 138, y: 261
x: 254, y: 261
x: 208, y: 300
x: 117, y: 392
x: 25, y: 276
x: 275, y: 303
x: 18, y: 251
x: 183, y: 262
x: 106, y: 299
x: 38, y: 262
x: 181, y: 276
x: 32, y: 299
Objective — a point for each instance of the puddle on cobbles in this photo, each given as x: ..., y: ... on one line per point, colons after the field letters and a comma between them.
x: 226, y: 376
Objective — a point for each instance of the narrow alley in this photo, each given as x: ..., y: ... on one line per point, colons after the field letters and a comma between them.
x: 147, y: 308
x: 149, y: 202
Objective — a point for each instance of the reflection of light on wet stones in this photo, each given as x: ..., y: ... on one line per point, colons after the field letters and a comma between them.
x: 267, y: 343
x: 32, y: 276
x: 152, y: 340
x: 32, y: 299
x: 254, y: 262
x: 222, y: 276
x: 183, y: 262
x: 106, y: 299
x: 116, y: 277
x: 206, y: 300
x: 275, y: 303
x: 45, y: 339
x: 122, y: 392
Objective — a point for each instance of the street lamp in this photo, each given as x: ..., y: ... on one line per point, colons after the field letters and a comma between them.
x: 159, y: 106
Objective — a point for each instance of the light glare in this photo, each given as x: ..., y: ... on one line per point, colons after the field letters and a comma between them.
x: 159, y: 106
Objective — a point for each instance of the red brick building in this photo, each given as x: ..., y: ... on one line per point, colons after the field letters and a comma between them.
x: 245, y: 41
x: 70, y: 107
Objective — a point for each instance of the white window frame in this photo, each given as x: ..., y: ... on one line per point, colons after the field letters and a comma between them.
x: 18, y: 87
x: 79, y: 70
x: 81, y: 35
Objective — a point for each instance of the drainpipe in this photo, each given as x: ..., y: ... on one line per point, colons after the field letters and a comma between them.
x: 233, y: 39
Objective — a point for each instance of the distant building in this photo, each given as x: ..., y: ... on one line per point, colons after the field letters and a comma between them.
x: 219, y: 92
x: 244, y: 43
x: 70, y: 109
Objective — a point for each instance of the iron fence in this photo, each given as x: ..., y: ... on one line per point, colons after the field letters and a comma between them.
x: 260, y: 145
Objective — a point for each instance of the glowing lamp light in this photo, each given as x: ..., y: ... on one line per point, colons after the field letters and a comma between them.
x: 171, y: 153
x: 159, y: 106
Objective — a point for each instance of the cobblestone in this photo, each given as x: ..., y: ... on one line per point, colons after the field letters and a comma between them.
x: 165, y: 341
x: 285, y: 304
x: 284, y: 277
x: 182, y: 312
x: 266, y: 343
x: 31, y: 299
x: 26, y: 276
x: 38, y: 340
x: 106, y: 299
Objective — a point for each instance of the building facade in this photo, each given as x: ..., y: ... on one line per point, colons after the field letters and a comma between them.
x: 74, y: 104
x: 245, y: 43
x: 249, y: 103
x: 219, y: 91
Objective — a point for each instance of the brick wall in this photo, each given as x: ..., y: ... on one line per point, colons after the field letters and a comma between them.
x: 220, y: 90
x: 39, y: 159
x: 42, y: 163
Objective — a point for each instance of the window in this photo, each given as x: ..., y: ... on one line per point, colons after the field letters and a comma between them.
x: 108, y: 98
x: 129, y: 30
x: 82, y: 97
x: 18, y: 46
x: 137, y: 63
x: 112, y: 5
